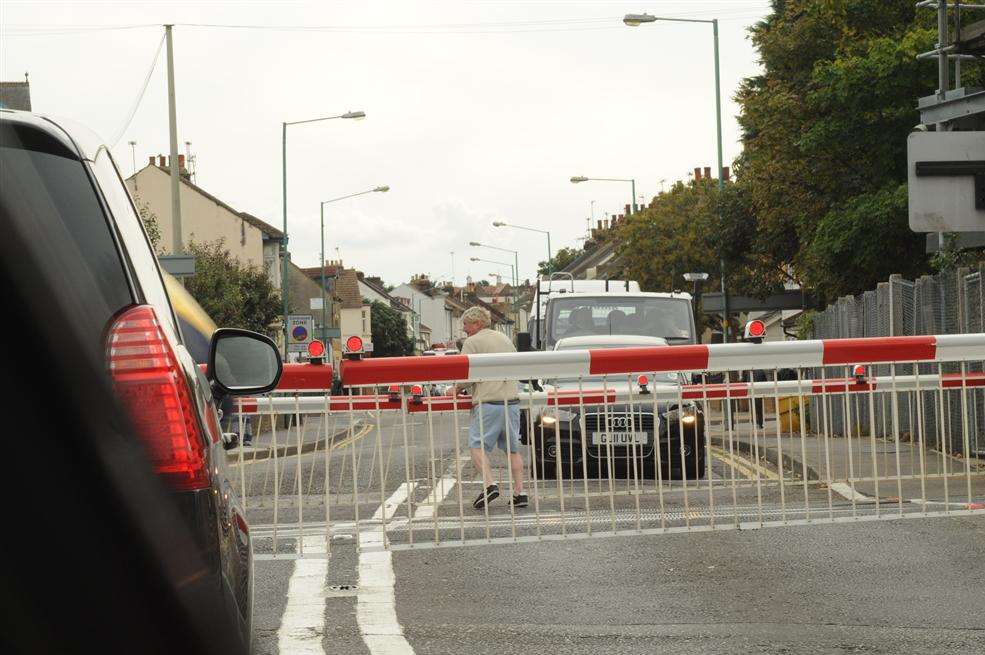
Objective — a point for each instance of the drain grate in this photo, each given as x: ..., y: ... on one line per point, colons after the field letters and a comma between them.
x: 340, y: 590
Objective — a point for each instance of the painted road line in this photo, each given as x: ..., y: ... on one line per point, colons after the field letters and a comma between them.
x: 744, y: 466
x: 302, y: 626
x: 376, y: 611
x: 846, y: 492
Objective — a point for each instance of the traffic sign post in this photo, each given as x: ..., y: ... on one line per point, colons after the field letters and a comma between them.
x: 946, y: 181
x: 300, y: 332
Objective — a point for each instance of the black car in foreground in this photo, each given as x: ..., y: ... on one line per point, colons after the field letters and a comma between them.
x: 620, y: 438
x: 65, y: 206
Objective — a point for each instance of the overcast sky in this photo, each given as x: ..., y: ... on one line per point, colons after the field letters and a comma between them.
x: 476, y: 111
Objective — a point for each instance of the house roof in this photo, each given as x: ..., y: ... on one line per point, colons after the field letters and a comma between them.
x: 314, y: 272
x: 267, y: 229
x: 15, y: 95
x: 347, y: 289
x: 423, y: 328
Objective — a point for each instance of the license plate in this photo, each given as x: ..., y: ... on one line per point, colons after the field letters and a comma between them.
x: 620, y: 438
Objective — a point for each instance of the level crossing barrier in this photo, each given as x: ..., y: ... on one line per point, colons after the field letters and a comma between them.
x: 619, y: 442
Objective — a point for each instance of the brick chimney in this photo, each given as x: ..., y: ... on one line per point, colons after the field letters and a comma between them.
x: 600, y: 224
x: 697, y: 174
x: 628, y: 211
x: 162, y: 161
x: 707, y: 172
x: 725, y: 173
x: 152, y: 160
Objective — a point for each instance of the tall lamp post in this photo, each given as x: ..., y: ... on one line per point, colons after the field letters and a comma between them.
x: 515, y: 266
x: 634, y: 20
x: 283, y: 244
x: 513, y: 272
x: 324, y: 315
x: 578, y: 179
x: 531, y: 229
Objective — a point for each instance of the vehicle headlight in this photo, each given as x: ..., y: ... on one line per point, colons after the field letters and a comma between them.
x: 557, y: 415
x: 689, y: 417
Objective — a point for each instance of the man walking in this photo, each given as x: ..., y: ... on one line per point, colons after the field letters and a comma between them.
x: 495, y: 411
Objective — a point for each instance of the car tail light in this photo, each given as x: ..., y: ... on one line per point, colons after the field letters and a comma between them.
x: 153, y: 388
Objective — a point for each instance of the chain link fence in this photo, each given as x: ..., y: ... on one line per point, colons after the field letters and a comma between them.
x: 950, y: 302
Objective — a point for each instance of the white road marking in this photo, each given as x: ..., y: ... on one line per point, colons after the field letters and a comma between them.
x: 303, y: 625
x: 376, y: 611
x: 435, y: 498
x: 846, y: 492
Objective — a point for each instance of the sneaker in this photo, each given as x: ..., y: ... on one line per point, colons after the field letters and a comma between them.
x: 485, y: 497
x: 520, y: 500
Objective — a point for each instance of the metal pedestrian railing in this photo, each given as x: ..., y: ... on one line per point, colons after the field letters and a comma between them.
x: 618, y: 442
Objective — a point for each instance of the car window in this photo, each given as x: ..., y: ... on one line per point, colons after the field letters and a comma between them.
x: 51, y: 198
x: 134, y: 239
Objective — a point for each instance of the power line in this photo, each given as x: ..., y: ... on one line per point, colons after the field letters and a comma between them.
x: 140, y: 95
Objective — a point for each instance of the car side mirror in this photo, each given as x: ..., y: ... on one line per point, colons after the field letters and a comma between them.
x: 243, y: 363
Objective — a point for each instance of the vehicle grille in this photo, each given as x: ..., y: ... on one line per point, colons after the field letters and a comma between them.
x: 619, y: 422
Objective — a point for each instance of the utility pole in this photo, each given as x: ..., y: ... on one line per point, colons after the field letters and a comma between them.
x: 178, y: 246
x: 721, y: 181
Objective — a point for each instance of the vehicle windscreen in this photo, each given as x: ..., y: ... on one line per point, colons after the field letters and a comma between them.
x: 669, y: 318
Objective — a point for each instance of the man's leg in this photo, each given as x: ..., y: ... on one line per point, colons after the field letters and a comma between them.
x: 516, y: 464
x: 478, y: 436
x: 481, y: 463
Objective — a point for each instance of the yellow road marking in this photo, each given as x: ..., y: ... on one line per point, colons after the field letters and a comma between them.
x: 366, y: 429
x: 743, y: 465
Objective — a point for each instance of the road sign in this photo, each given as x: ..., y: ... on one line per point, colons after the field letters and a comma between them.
x: 791, y: 299
x: 300, y: 328
x: 946, y: 181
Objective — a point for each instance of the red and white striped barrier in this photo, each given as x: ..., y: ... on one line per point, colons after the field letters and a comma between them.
x: 714, y: 357
x: 596, y: 396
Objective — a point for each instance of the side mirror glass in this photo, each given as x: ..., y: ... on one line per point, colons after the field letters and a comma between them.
x: 242, y: 362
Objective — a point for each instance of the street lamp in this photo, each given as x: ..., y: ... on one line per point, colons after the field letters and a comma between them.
x: 531, y: 229
x: 513, y: 272
x: 490, y: 261
x: 351, y: 115
x: 634, y: 20
x: 324, y: 316
x: 516, y: 273
x: 578, y: 179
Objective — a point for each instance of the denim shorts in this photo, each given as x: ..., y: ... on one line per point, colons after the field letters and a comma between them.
x: 488, y: 426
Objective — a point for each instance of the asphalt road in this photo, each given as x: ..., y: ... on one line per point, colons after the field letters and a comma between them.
x: 875, y: 587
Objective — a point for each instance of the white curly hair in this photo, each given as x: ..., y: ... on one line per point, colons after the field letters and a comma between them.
x: 476, y: 315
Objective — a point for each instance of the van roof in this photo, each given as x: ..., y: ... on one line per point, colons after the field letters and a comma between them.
x: 679, y: 295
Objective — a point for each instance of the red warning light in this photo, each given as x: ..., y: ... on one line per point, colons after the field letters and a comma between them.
x: 316, y: 349
x: 755, y: 329
x: 354, y: 344
x: 642, y: 380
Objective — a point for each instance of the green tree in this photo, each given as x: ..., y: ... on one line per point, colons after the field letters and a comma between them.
x: 151, y: 225
x: 233, y: 294
x: 561, y: 258
x: 390, y: 338
x: 824, y: 138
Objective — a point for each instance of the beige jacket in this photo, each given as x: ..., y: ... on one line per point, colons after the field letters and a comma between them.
x: 490, y: 341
